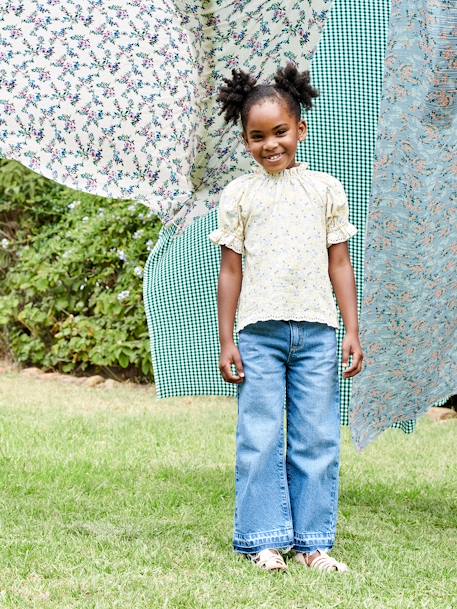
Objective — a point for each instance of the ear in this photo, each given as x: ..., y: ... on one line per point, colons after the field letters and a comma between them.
x: 302, y: 130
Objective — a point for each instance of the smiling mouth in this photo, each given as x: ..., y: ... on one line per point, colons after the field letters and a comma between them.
x: 273, y: 157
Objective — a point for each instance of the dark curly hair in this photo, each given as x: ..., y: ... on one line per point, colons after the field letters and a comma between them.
x: 241, y: 92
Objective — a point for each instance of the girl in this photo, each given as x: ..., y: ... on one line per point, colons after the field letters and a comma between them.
x: 291, y: 226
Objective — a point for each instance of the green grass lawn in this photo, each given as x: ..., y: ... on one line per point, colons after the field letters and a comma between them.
x: 111, y: 499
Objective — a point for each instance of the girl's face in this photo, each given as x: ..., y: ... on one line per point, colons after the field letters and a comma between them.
x: 272, y: 135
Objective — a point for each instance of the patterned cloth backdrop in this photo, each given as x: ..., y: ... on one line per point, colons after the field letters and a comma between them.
x: 409, y: 317
x: 181, y: 274
x: 120, y: 99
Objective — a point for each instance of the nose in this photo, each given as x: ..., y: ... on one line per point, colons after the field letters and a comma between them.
x: 270, y: 143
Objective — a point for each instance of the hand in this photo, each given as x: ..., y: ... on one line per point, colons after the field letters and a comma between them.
x: 351, y: 346
x: 230, y: 355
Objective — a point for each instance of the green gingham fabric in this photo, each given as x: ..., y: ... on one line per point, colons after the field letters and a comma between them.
x: 180, y: 296
x: 180, y: 288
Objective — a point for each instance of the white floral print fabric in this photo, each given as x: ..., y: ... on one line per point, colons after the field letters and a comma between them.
x: 283, y: 224
x: 120, y: 99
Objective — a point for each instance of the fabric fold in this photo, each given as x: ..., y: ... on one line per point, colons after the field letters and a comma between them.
x: 120, y: 100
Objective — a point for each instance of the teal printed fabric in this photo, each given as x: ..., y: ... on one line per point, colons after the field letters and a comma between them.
x: 409, y: 314
x: 181, y: 274
x: 119, y: 99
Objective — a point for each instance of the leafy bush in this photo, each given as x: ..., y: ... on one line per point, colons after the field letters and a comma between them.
x: 71, y: 270
x: 27, y: 201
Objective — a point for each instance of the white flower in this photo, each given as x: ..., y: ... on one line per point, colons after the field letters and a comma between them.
x: 5, y: 244
x: 138, y: 271
x: 138, y: 234
x: 132, y: 207
x: 122, y: 255
x: 122, y: 296
x: 149, y: 245
x: 101, y: 211
x: 85, y: 220
x: 74, y: 204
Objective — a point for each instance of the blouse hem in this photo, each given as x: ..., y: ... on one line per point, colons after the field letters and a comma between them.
x: 218, y: 237
x: 287, y: 317
x: 340, y: 234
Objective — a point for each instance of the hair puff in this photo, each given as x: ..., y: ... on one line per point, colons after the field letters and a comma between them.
x: 297, y: 84
x: 233, y: 95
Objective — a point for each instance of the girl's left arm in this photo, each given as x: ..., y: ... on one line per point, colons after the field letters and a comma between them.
x: 343, y: 282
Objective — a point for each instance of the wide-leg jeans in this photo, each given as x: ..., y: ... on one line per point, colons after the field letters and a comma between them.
x: 287, y: 497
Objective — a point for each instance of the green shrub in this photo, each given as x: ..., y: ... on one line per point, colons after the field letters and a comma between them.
x: 27, y: 201
x: 71, y: 277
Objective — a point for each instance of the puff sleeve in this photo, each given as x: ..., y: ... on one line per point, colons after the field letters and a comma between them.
x: 339, y: 229
x: 231, y: 230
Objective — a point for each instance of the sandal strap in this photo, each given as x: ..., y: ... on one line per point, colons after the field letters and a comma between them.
x: 324, y: 562
x: 269, y: 560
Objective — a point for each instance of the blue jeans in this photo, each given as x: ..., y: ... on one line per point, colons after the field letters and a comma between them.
x: 287, y: 499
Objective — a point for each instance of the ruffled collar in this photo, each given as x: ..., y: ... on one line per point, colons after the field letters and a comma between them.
x: 287, y: 173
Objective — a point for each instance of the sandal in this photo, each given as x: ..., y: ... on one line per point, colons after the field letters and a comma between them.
x: 322, y: 562
x: 269, y: 560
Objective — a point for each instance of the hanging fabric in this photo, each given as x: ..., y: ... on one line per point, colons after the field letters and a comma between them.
x: 119, y: 100
x: 181, y: 274
x: 409, y: 313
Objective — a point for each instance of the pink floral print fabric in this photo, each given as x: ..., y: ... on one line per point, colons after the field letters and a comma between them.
x: 120, y: 99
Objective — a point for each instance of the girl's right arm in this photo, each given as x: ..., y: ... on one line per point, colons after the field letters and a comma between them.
x: 229, y: 287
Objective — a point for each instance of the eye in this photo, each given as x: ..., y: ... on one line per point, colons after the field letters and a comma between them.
x: 281, y: 132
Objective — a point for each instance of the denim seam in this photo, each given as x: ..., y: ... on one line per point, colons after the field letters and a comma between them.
x: 311, y: 548
x: 277, y: 534
x: 334, y: 496
x: 313, y: 537
x: 286, y: 546
x: 283, y: 478
x: 260, y: 534
x: 335, y: 487
x: 290, y: 343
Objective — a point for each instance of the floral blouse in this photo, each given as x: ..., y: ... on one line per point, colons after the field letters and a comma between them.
x: 283, y: 224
